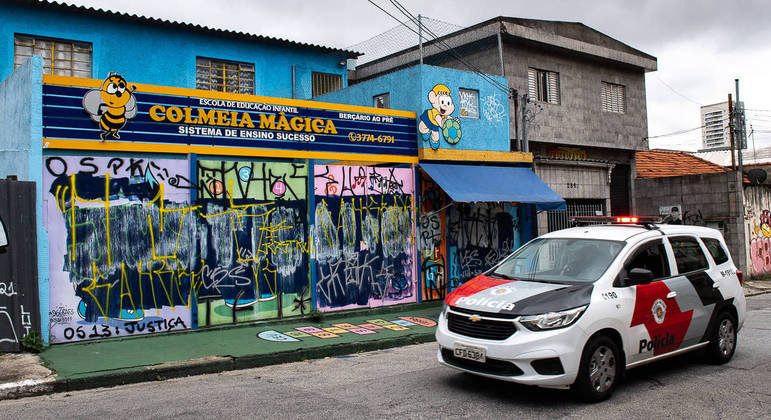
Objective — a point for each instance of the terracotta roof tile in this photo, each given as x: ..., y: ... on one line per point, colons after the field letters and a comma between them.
x: 665, y: 163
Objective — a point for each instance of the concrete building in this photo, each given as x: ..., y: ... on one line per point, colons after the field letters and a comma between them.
x: 170, y: 196
x: 477, y: 198
x: 586, y: 108
x: 715, y: 124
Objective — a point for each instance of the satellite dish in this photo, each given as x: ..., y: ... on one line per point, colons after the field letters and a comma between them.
x: 757, y: 176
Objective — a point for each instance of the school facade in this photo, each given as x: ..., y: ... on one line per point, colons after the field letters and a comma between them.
x: 185, y: 180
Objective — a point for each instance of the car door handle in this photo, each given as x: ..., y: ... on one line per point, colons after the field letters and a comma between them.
x: 672, y: 294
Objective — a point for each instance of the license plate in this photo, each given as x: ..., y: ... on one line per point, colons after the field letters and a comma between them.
x: 476, y: 354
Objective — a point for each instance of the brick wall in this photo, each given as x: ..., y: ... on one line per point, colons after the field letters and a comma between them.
x: 709, y: 200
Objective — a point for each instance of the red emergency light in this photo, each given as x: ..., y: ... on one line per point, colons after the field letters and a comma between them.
x: 629, y: 220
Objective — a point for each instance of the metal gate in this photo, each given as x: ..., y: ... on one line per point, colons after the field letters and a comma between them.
x: 19, y: 313
x: 560, y: 219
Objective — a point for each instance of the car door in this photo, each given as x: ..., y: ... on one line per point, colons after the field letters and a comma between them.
x: 694, y: 286
x: 645, y: 301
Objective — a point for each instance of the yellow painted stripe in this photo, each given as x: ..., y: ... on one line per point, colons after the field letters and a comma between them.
x: 167, y: 90
x: 119, y: 146
x: 474, y: 155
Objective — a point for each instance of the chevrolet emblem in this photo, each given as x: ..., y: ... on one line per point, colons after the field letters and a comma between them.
x: 474, y: 318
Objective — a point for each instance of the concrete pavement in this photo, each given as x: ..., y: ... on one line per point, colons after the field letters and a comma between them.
x: 93, y: 364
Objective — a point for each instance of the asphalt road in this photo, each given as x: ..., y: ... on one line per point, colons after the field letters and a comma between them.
x: 408, y: 383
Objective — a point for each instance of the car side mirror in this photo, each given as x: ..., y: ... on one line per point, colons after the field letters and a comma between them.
x: 637, y: 276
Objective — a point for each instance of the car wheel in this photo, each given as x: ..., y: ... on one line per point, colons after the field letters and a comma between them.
x: 723, y: 339
x: 599, y: 370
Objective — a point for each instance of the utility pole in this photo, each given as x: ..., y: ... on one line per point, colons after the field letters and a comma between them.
x: 739, y: 127
x: 525, y: 146
x: 420, y: 37
x: 731, y: 131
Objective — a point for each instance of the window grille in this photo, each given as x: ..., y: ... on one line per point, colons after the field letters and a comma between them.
x: 326, y: 82
x: 224, y: 76
x: 469, y: 103
x: 60, y: 57
x: 613, y: 98
x: 560, y: 219
x: 382, y: 101
x: 543, y: 85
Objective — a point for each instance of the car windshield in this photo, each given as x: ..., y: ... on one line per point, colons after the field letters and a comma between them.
x: 562, y: 260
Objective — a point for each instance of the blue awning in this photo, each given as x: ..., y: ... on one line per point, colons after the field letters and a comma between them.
x: 465, y: 183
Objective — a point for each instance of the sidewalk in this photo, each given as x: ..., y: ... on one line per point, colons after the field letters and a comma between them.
x: 94, y: 364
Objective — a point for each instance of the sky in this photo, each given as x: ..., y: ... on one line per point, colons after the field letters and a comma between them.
x: 701, y: 46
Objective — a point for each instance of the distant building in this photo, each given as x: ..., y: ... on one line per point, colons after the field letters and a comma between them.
x: 715, y: 126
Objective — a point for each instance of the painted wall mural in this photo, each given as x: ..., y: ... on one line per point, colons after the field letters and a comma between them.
x: 121, y: 239
x: 433, y: 243
x: 438, y: 119
x: 137, y: 246
x: 364, y: 236
x: 459, y: 241
x: 255, y: 248
x: 757, y: 215
x: 479, y: 235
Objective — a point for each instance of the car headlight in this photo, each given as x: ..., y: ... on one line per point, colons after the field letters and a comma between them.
x: 445, y: 306
x: 552, y: 320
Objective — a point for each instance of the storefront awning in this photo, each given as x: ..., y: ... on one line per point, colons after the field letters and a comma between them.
x: 493, y: 183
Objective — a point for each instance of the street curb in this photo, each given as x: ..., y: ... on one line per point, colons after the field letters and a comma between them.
x: 207, y: 365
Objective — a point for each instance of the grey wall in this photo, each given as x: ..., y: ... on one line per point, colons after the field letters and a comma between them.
x: 578, y: 119
x: 712, y: 196
x: 20, y: 104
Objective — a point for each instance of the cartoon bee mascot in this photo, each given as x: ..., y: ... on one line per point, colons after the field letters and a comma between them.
x: 111, y: 105
x: 438, y: 118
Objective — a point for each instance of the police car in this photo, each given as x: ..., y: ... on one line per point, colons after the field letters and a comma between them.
x: 576, y: 307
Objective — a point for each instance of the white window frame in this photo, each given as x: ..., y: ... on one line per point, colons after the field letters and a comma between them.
x: 475, y: 114
x: 613, y: 98
x: 60, y: 56
x: 543, y: 85
x: 207, y: 78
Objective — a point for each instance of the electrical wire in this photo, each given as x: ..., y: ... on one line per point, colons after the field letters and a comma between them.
x: 447, y: 49
x: 673, y: 90
x: 446, y: 46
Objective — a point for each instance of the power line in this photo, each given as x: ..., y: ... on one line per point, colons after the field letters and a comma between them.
x: 674, y: 91
x: 442, y: 44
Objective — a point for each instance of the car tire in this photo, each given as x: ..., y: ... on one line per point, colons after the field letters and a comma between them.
x: 599, y: 371
x: 722, y: 344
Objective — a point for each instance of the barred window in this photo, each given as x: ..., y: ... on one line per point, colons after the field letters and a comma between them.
x: 613, y: 97
x: 543, y: 85
x: 60, y: 57
x: 469, y: 103
x: 382, y: 101
x: 326, y: 82
x: 224, y: 76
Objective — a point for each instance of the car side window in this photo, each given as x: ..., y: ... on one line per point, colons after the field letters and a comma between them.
x: 650, y: 256
x: 688, y: 254
x: 716, y: 250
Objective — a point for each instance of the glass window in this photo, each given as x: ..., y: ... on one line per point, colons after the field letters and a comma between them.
x: 60, y: 57
x: 224, y: 76
x: 469, y: 103
x: 650, y: 256
x: 543, y: 85
x: 613, y: 98
x: 560, y: 260
x: 382, y: 101
x: 716, y: 250
x: 688, y: 254
x: 326, y: 82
